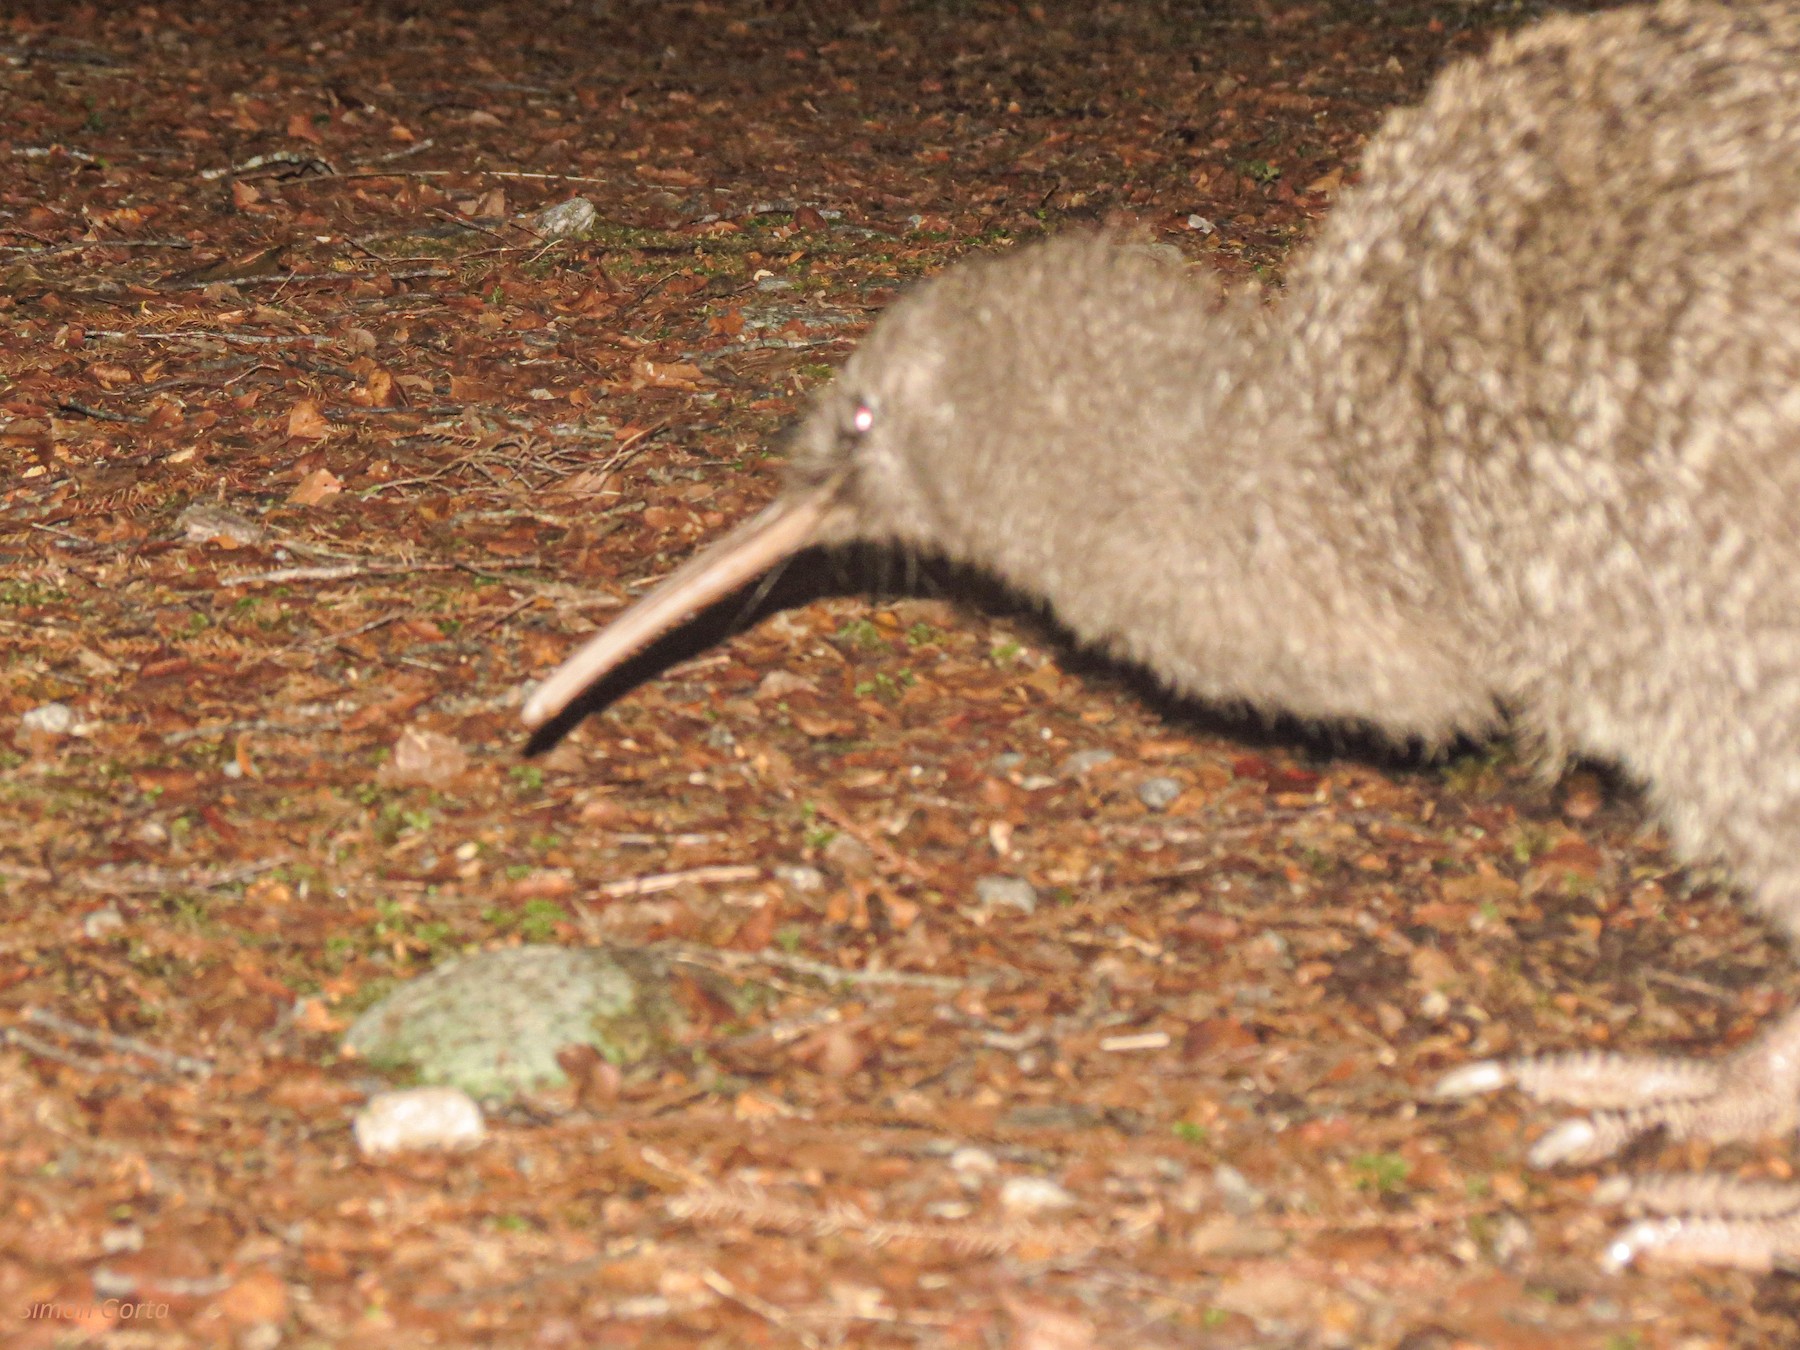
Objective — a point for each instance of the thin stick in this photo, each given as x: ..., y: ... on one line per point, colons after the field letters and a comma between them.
x: 468, y: 173
x: 283, y: 278
x: 771, y: 1314
x: 340, y: 573
x: 716, y: 875
x: 208, y: 335
x: 822, y: 970
x: 487, y: 624
x: 127, y: 1045
x: 331, y: 639
x: 98, y: 414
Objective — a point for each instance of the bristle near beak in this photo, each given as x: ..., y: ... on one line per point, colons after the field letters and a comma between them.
x: 779, y: 531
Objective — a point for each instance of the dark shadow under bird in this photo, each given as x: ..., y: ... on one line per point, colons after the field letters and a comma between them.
x: 1521, y: 441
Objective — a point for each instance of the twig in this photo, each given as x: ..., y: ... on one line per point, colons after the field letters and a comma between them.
x: 282, y: 278
x: 126, y: 1045
x: 521, y: 565
x: 822, y: 970
x: 838, y: 816
x: 407, y: 153
x: 98, y: 414
x: 31, y: 1045
x: 245, y: 724
x: 716, y: 875
x: 632, y: 441
x: 275, y: 159
x: 138, y: 880
x: 645, y: 294
x: 51, y: 151
x: 462, y: 173
x: 71, y: 536
x: 469, y: 223
x: 209, y: 335
x: 432, y: 477
x: 771, y: 1314
x: 491, y: 623
x: 331, y: 639
x: 339, y: 573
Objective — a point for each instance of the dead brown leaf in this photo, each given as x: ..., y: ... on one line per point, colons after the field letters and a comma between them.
x: 426, y: 758
x: 666, y: 374
x: 315, y: 488
x: 306, y: 423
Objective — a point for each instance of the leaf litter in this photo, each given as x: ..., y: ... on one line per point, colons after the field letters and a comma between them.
x: 1063, y: 1017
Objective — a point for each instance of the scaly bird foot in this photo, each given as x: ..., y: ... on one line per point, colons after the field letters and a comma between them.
x: 1701, y: 1219
x: 1706, y: 1220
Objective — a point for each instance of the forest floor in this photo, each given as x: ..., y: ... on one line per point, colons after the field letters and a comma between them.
x: 313, y: 441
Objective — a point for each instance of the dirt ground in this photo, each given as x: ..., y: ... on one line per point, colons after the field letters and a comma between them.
x: 315, y: 439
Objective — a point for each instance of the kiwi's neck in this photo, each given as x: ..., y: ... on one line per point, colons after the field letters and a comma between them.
x: 1214, y: 539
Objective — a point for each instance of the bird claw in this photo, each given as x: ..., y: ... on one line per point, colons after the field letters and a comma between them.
x: 1646, y: 1235
x: 1756, y: 1092
x: 1704, y: 1219
x: 1573, y: 1141
x: 1576, y: 1140
x: 1487, y: 1075
x: 1625, y: 1097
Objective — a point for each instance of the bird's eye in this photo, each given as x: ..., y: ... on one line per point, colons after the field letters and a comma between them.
x: 862, y: 419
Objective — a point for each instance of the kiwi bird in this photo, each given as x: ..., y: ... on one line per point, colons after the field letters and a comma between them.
x: 1519, y: 443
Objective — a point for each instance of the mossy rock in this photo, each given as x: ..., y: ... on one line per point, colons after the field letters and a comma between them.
x: 493, y: 1023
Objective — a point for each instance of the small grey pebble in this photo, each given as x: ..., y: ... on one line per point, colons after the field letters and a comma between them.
x: 800, y: 878
x: 203, y: 522
x: 566, y: 219
x: 122, y: 1238
x: 775, y: 284
x: 101, y: 922
x: 1083, y: 760
x: 1006, y: 893
x: 1234, y: 1188
x: 974, y: 1163
x: 1006, y: 763
x: 1034, y: 1195
x: 719, y: 736
x: 1158, y: 793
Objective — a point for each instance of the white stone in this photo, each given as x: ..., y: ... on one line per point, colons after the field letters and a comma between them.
x: 1033, y: 1195
x: 418, y: 1118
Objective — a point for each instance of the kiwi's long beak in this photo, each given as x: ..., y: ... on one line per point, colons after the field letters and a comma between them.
x: 780, y: 530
